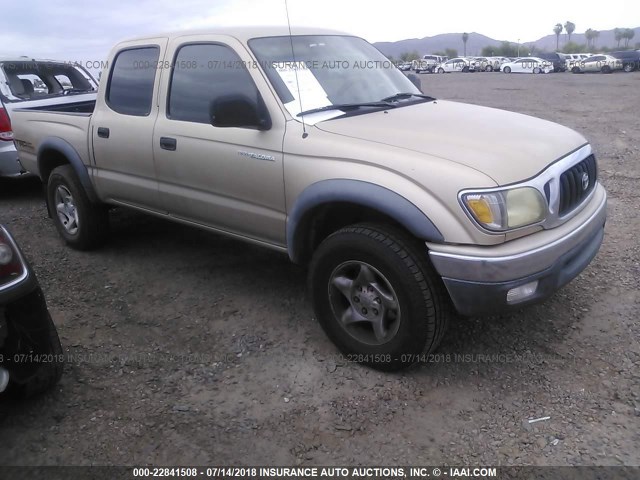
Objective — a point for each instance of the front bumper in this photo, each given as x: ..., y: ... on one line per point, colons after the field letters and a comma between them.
x: 478, y: 278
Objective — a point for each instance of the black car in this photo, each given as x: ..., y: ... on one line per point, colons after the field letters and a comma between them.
x: 559, y: 63
x: 630, y: 59
x: 31, y: 357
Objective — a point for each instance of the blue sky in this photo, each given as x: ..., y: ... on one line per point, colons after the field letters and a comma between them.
x: 86, y: 30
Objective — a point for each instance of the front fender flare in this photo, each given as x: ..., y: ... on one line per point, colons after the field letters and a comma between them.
x: 65, y: 148
x: 360, y: 193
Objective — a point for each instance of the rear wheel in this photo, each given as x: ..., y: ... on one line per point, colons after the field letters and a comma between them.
x: 537, y: 70
x: 606, y: 69
x: 507, y: 70
x: 377, y: 297
x: 465, y: 69
x: 488, y: 68
x: 441, y: 70
x: 628, y: 68
x: 575, y: 70
x: 82, y: 223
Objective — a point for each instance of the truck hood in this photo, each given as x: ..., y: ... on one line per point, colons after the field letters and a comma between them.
x: 508, y: 147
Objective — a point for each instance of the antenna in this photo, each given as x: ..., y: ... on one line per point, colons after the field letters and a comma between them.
x: 295, y: 70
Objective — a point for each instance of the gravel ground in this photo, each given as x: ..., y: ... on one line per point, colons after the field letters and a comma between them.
x: 188, y: 348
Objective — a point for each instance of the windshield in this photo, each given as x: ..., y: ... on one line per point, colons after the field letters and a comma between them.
x: 32, y: 80
x: 328, y: 70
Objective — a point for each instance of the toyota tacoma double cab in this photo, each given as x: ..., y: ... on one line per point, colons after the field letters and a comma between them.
x: 312, y: 143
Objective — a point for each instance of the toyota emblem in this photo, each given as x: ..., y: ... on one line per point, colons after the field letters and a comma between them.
x: 585, y: 181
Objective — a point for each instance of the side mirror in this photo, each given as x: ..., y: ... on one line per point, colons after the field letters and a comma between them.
x: 415, y: 80
x: 239, y: 111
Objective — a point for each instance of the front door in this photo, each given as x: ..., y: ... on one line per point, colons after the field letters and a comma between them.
x: 230, y: 179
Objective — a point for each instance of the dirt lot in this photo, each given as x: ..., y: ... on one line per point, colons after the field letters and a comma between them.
x: 187, y: 348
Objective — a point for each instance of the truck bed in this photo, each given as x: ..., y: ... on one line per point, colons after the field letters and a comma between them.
x: 35, y: 124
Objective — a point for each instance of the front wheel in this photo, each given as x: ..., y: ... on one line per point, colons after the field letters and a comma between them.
x: 537, y: 70
x: 81, y: 223
x: 441, y: 70
x: 606, y: 69
x: 628, y: 68
x: 575, y: 70
x: 507, y: 70
x: 488, y: 68
x: 377, y: 297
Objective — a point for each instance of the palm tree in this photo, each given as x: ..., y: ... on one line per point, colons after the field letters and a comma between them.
x: 595, y: 34
x: 588, y: 34
x: 569, y: 28
x: 629, y: 33
x: 618, y: 34
x: 557, y: 30
x: 465, y: 37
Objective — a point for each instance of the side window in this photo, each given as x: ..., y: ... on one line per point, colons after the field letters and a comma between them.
x: 202, y: 74
x: 130, y: 89
x: 64, y: 82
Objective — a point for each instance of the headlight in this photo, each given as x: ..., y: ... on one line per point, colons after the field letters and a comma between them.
x: 506, y: 209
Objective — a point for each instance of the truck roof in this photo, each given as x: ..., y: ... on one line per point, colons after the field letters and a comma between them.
x: 244, y: 33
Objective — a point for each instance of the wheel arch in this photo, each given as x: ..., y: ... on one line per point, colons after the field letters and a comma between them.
x: 329, y: 205
x: 54, y: 152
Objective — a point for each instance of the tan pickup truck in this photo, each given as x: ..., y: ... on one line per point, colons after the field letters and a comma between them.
x: 315, y: 145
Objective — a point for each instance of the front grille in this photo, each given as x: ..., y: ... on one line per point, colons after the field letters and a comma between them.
x: 573, y: 182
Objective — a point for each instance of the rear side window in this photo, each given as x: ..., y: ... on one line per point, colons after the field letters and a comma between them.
x: 130, y: 89
x: 203, y: 73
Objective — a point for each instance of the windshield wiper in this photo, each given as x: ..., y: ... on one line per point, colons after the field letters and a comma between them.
x: 348, y: 106
x: 402, y: 96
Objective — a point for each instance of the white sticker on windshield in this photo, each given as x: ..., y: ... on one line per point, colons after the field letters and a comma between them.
x: 305, y: 89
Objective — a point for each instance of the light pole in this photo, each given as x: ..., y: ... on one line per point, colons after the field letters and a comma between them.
x: 518, y: 47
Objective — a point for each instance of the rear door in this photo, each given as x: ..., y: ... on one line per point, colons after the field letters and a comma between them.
x: 230, y: 179
x: 122, y: 126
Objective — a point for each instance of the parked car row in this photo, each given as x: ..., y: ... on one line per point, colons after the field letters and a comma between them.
x: 542, y: 63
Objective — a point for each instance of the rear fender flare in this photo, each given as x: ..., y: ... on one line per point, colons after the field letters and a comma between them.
x: 71, y: 155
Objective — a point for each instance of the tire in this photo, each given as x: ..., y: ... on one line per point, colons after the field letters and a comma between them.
x: 83, y: 224
x: 575, y: 70
x: 441, y: 70
x: 507, y: 70
x: 606, y: 69
x: 537, y: 70
x: 488, y: 68
x: 465, y: 69
x: 628, y: 68
x: 361, y: 267
x: 38, y: 377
